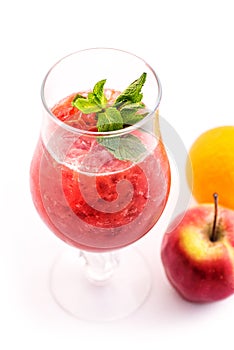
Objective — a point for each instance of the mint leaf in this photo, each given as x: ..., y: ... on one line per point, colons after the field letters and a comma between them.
x: 110, y: 119
x: 133, y: 92
x: 130, y: 148
x: 98, y: 92
x: 94, y: 102
x: 133, y: 113
x: 126, y: 147
x: 86, y: 105
x: 110, y: 143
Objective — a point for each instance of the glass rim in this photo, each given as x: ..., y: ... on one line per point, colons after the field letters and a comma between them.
x: 93, y: 133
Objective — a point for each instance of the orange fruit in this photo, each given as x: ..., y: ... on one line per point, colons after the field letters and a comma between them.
x: 212, y: 162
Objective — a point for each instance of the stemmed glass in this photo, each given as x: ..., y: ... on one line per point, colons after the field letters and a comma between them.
x: 99, y: 191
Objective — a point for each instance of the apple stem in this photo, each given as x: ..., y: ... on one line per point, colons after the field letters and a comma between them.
x: 214, y: 232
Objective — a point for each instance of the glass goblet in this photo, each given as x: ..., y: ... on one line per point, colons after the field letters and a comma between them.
x: 100, y: 187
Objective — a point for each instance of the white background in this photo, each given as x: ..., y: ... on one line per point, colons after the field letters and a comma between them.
x: 190, y: 45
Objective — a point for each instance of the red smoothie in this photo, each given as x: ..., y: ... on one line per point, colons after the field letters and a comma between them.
x: 88, y: 197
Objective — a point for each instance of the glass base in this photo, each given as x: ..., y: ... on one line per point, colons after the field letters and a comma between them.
x: 113, y: 298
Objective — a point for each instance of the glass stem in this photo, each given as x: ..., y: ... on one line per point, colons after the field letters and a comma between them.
x: 99, y: 267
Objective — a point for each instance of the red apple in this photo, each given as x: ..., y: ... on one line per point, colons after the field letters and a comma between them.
x: 198, y: 253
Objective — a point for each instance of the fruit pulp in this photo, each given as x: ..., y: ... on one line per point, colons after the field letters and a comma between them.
x: 90, y: 199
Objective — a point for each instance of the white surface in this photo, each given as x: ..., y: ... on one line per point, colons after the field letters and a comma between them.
x: 190, y: 45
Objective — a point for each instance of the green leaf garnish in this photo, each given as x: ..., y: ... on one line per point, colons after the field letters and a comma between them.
x: 133, y: 92
x: 86, y: 105
x: 126, y: 110
x: 110, y: 119
x: 94, y: 102
x: 126, y: 147
x: 98, y: 92
x: 133, y: 113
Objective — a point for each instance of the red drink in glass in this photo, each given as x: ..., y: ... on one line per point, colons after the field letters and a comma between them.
x: 100, y: 179
x: 93, y: 200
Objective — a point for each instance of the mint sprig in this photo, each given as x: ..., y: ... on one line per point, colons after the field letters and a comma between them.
x: 126, y: 110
